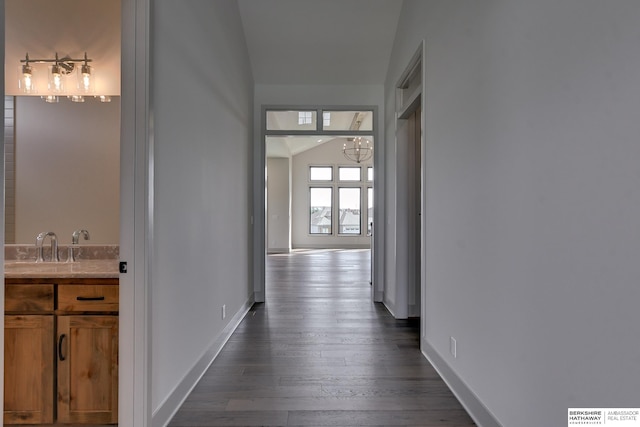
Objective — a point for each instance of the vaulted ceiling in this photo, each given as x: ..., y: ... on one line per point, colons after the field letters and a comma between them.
x: 320, y: 42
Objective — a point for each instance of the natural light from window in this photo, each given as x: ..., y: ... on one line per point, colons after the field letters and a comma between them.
x: 349, y: 210
x: 320, y: 201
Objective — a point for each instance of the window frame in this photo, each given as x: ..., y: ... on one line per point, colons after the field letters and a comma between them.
x: 335, y: 184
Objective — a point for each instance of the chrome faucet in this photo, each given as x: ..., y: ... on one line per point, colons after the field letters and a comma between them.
x: 54, y: 246
x: 75, y: 237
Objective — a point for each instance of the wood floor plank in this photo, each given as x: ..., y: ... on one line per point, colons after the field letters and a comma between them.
x: 423, y: 418
x: 318, y: 352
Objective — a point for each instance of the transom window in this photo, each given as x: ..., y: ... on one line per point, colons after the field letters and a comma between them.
x: 320, y: 173
x: 351, y: 121
x: 349, y: 173
x: 305, y: 117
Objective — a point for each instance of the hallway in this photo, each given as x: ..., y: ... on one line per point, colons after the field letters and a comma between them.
x: 319, y: 353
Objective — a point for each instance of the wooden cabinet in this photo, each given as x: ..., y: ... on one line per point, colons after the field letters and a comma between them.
x: 61, y: 352
x: 28, y: 354
x: 28, y: 368
x: 87, y: 354
x: 87, y: 369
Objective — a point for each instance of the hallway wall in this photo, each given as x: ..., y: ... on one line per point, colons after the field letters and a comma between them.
x: 202, y: 90
x: 532, y: 200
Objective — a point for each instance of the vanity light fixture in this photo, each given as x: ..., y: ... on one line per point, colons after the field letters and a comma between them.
x: 59, y: 69
x: 76, y: 98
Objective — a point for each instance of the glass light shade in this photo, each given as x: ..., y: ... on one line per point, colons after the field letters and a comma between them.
x: 51, y: 99
x: 105, y: 98
x: 56, y: 79
x: 26, y: 81
x: 85, y: 79
x: 76, y: 98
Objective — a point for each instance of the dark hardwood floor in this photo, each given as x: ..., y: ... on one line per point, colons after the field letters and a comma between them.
x: 318, y: 352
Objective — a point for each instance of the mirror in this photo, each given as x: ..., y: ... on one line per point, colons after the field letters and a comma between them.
x: 62, y: 169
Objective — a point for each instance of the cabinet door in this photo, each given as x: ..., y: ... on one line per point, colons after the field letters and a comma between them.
x: 28, y: 369
x: 88, y: 369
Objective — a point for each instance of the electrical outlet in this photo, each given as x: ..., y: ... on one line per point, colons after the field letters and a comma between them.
x: 453, y: 347
x: 224, y: 311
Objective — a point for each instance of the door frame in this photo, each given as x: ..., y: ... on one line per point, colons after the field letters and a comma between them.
x: 136, y: 216
x: 260, y: 187
x: 410, y: 96
x: 136, y: 209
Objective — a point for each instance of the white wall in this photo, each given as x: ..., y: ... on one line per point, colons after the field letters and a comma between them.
x: 532, y: 200
x: 326, y: 154
x: 202, y: 115
x: 67, y: 169
x: 278, y: 205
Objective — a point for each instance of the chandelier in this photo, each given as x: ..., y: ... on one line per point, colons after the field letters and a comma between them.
x: 357, y: 149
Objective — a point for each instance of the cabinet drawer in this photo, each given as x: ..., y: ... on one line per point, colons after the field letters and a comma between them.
x: 28, y: 298
x: 88, y: 298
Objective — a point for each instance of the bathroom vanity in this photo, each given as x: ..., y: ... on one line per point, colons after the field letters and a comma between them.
x: 61, y: 342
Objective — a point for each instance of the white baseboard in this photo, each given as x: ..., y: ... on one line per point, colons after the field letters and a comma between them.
x: 165, y: 412
x: 476, y: 409
x: 278, y: 250
x: 333, y: 246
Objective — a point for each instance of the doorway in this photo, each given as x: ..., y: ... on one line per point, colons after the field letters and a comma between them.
x: 135, y: 200
x: 319, y: 183
x: 414, y: 184
x: 410, y: 200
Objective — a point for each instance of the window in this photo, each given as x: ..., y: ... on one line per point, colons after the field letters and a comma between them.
x: 294, y: 121
x: 369, y: 173
x: 349, y: 173
x: 326, y: 119
x: 349, y: 120
x: 349, y: 210
x: 321, y: 210
x: 349, y: 192
x: 305, y: 117
x: 320, y: 173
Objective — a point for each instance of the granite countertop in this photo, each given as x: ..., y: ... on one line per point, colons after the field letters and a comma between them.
x: 91, y: 268
x: 94, y: 261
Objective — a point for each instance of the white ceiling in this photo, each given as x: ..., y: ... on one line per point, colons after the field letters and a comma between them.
x: 316, y: 42
x: 289, y: 146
